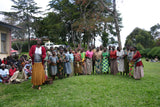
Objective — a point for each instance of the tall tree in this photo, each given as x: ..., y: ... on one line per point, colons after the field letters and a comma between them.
x: 112, y: 9
x: 140, y: 37
x: 155, y: 31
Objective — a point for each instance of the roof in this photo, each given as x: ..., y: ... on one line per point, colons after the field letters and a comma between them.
x: 9, y: 25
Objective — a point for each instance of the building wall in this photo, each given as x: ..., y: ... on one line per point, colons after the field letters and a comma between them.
x: 8, y: 41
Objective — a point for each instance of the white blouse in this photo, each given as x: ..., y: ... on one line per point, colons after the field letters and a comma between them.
x: 38, y: 50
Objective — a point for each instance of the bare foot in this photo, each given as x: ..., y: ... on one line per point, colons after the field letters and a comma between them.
x: 39, y: 88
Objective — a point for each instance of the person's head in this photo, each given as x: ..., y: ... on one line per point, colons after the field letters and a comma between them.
x: 118, y: 49
x: 13, y: 66
x: 105, y: 49
x: 39, y: 41
x: 128, y: 48
x: 70, y: 51
x: 101, y: 47
x: 110, y: 47
x: 134, y: 49
x: 3, y: 66
x: 51, y: 49
x: 113, y: 47
x: 53, y: 53
x: 61, y: 51
x: 65, y: 50
x: 97, y: 50
x: 82, y: 50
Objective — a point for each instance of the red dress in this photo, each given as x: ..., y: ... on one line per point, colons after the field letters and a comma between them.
x: 136, y: 57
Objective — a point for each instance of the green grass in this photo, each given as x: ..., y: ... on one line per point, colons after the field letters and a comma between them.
x: 84, y: 91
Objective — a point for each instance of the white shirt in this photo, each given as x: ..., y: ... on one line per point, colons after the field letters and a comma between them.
x: 4, y: 72
x: 120, y: 54
x: 38, y: 50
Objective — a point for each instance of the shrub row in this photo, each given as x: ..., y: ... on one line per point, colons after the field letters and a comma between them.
x: 151, y: 53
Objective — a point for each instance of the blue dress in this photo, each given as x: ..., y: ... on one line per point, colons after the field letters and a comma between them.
x: 67, y: 64
x: 53, y: 67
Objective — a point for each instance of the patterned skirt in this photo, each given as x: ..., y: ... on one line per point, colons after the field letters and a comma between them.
x: 98, y: 66
x: 78, y: 67
x: 105, y: 65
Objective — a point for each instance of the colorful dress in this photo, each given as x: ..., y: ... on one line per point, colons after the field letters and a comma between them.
x: 120, y: 59
x: 84, y: 69
x: 67, y: 64
x: 105, y: 63
x: 89, y: 56
x: 98, y: 61
x: 138, y: 65
x: 60, y: 65
x: 77, y: 63
x: 131, y: 63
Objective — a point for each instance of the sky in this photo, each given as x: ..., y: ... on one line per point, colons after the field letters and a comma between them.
x: 135, y: 13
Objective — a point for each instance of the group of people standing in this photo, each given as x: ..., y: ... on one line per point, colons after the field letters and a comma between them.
x: 63, y: 62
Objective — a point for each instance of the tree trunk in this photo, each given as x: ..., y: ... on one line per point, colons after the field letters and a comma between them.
x: 116, y: 24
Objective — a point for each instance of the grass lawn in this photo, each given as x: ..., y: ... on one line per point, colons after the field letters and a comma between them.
x: 84, y: 91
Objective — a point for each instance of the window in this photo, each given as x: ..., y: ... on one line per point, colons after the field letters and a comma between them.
x: 3, y: 42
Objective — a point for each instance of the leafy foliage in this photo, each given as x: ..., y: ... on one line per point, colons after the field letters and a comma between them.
x: 140, y: 37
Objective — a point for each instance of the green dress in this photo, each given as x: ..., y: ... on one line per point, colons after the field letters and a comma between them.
x: 105, y: 64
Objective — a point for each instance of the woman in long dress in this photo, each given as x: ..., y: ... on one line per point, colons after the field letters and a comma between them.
x: 120, y: 59
x: 77, y: 63
x: 67, y: 63
x: 89, y: 56
x: 71, y: 61
x: 83, y: 57
x: 138, y: 71
x: 60, y: 65
x: 105, y: 61
x: 126, y: 60
x: 37, y: 53
x: 131, y: 62
x: 113, y: 61
x: 98, y: 60
x: 53, y: 64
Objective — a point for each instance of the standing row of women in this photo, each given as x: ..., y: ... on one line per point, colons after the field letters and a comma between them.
x: 62, y: 62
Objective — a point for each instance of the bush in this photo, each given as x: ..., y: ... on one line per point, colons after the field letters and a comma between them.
x: 154, y: 52
x: 25, y: 45
x: 144, y: 52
